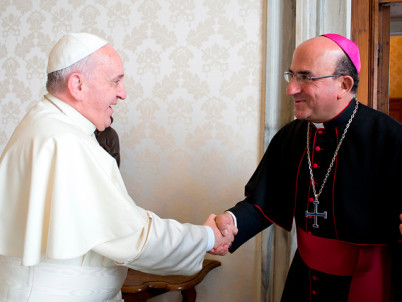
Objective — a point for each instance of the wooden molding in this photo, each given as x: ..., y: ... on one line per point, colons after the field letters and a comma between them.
x: 371, y: 28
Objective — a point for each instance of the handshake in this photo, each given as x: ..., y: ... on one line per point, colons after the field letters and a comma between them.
x: 224, y: 231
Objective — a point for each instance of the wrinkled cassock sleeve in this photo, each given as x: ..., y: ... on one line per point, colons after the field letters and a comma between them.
x: 170, y: 248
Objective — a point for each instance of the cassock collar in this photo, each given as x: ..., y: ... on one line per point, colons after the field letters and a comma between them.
x: 342, y: 118
x: 78, y: 119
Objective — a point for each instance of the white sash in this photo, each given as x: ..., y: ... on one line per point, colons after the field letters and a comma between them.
x: 59, y: 283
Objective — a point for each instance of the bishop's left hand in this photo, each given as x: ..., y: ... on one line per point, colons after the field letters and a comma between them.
x: 400, y: 226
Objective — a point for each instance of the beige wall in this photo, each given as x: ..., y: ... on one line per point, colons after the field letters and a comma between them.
x: 190, y: 126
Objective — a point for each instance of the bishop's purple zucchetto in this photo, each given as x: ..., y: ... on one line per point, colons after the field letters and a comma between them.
x: 349, y: 47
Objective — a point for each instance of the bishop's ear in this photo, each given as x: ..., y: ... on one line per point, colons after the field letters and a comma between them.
x: 346, y: 84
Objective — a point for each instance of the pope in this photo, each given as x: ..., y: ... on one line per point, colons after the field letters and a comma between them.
x: 68, y: 228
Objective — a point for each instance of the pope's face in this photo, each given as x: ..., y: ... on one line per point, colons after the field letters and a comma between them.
x: 104, y: 87
x: 317, y: 100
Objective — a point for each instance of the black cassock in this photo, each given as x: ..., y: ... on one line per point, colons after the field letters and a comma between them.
x: 362, y: 196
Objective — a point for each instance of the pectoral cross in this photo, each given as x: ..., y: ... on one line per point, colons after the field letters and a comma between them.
x: 316, y: 214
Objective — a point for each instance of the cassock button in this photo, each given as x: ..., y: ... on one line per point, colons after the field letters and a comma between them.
x: 315, y: 166
x: 320, y: 132
x: 317, y: 148
x: 311, y: 199
x: 314, y: 292
x: 315, y: 278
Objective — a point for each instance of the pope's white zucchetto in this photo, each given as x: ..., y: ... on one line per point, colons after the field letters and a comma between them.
x: 72, y: 48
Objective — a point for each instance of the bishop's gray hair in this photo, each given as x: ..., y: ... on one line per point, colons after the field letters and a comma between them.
x: 345, y: 66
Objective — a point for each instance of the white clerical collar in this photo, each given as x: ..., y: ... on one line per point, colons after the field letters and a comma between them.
x: 81, y: 121
x: 318, y: 125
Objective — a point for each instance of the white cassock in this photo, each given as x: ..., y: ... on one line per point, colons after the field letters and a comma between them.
x: 68, y: 228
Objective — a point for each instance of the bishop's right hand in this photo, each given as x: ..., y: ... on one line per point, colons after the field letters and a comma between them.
x: 225, y: 231
x: 222, y: 240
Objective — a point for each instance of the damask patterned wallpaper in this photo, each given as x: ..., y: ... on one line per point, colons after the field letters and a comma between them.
x: 190, y: 126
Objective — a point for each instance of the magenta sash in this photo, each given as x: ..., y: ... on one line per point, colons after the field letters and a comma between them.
x: 369, y: 265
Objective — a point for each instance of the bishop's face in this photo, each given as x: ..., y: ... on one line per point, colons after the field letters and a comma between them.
x: 104, y: 88
x: 315, y: 100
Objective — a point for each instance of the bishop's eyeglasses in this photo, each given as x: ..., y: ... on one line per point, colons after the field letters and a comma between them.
x: 302, y: 78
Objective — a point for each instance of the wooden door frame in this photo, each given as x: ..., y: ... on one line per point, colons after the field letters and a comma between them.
x: 370, y: 26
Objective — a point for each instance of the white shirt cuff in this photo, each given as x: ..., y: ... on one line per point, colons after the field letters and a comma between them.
x: 211, y: 238
x: 234, y: 218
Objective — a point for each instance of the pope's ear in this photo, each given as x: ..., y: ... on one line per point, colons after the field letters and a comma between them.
x: 75, y: 86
